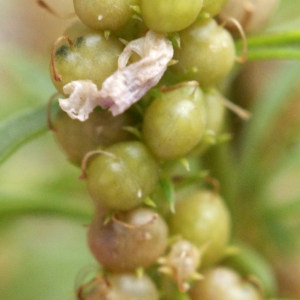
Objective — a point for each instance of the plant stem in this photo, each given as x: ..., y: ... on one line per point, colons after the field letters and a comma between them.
x: 282, y: 45
x: 273, y: 53
x: 274, y: 39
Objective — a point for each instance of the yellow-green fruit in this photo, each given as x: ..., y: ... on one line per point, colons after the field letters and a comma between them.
x: 216, y: 112
x: 174, y: 123
x: 123, y: 286
x: 105, y: 14
x: 170, y: 15
x: 207, y: 53
x: 222, y: 283
x: 92, y: 57
x: 122, y: 179
x: 204, y: 220
x: 101, y: 129
x: 213, y: 7
x: 77, y: 29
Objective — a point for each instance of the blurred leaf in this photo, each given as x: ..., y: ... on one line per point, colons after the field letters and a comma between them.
x: 250, y: 262
x: 280, y: 233
x: 20, y: 128
x: 167, y: 187
x: 25, y: 80
x: 12, y: 206
x: 25, y: 73
x: 286, y: 16
x: 40, y: 258
x: 190, y: 179
x: 285, y: 210
x: 291, y: 158
x: 271, y: 101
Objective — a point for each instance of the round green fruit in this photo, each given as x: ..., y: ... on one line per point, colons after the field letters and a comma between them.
x: 213, y: 7
x: 170, y: 15
x: 174, y: 123
x: 207, y: 53
x: 105, y: 14
x: 77, y: 138
x: 204, y: 220
x: 77, y: 29
x: 122, y: 179
x: 216, y: 112
x: 123, y: 286
x: 91, y: 57
x: 224, y: 283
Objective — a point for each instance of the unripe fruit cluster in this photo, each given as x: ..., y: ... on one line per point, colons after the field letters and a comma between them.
x: 125, y: 158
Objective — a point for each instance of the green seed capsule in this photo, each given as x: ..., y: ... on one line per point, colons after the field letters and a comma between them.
x: 123, y: 179
x: 170, y: 15
x: 216, y: 112
x: 212, y: 7
x: 224, y: 283
x: 174, y: 123
x: 203, y: 219
x: 105, y: 14
x: 77, y: 29
x: 92, y: 57
x: 207, y: 53
x: 123, y: 286
x: 101, y: 129
x: 134, y: 239
x: 249, y: 261
x: 132, y: 30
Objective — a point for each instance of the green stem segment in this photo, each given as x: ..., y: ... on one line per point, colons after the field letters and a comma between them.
x: 282, y: 45
x: 273, y: 53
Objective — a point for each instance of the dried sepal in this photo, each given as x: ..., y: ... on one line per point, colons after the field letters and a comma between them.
x: 127, y: 85
x: 182, y: 263
x: 82, y: 100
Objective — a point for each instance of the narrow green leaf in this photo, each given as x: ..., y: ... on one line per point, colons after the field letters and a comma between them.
x: 20, y: 128
x: 191, y: 179
x: 167, y: 187
x: 249, y: 261
x: 134, y: 131
x: 13, y: 207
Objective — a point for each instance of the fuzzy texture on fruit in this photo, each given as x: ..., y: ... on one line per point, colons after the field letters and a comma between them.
x: 127, y: 85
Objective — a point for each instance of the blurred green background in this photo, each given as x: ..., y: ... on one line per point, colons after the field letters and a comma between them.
x: 43, y: 251
x: 40, y: 254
